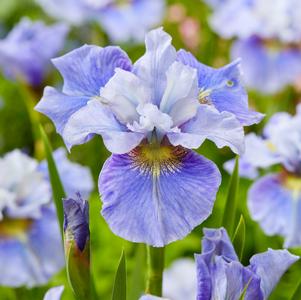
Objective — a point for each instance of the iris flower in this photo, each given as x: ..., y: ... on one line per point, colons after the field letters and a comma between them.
x: 29, y: 232
x: 221, y: 276
x: 274, y: 200
x: 154, y: 189
x: 123, y: 22
x: 269, y: 35
x: 27, y: 49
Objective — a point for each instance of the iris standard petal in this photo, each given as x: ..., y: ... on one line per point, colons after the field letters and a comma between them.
x: 270, y: 204
x: 95, y: 118
x: 59, y: 107
x: 221, y: 128
x: 86, y: 69
x: 270, y: 266
x: 151, y: 68
x: 222, y: 87
x: 157, y: 201
x: 181, y: 93
x: 54, y: 293
x: 123, y: 93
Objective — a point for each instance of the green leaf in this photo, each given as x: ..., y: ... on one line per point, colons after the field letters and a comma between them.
x: 119, y: 290
x: 137, y: 280
x: 58, y: 192
x: 239, y: 237
x: 244, y: 292
x: 231, y: 201
x: 297, y: 293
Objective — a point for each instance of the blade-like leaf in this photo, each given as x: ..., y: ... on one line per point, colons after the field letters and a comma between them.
x: 119, y: 290
x: 58, y: 192
x: 231, y: 201
x: 239, y: 237
x: 297, y: 293
x: 244, y: 292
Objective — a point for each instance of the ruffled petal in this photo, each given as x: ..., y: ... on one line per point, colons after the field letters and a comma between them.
x: 54, y: 293
x: 270, y: 204
x: 123, y: 93
x: 151, y: 68
x: 270, y: 266
x: 221, y: 128
x: 86, y: 69
x: 223, y: 88
x: 180, y: 96
x: 59, y: 107
x: 146, y: 201
x: 95, y: 118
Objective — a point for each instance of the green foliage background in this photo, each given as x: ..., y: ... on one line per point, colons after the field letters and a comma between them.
x: 16, y: 132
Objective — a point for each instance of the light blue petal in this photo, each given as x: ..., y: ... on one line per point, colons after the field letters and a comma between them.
x: 221, y: 128
x: 224, y: 87
x: 131, y: 22
x: 59, y: 107
x: 54, y: 293
x: 270, y: 266
x: 271, y: 204
x: 151, y: 68
x: 141, y: 205
x: 95, y: 118
x: 150, y: 297
x: 86, y: 69
x: 246, y: 169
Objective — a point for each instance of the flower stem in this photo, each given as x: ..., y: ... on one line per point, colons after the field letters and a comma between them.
x: 155, y: 261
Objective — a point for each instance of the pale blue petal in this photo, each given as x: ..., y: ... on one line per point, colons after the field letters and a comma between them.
x: 86, y: 69
x: 180, y: 97
x: 270, y: 204
x: 59, y: 107
x: 270, y: 266
x: 151, y: 68
x: 150, y: 297
x: 95, y: 118
x: 54, y: 293
x: 150, y: 208
x: 246, y: 169
x: 224, y: 87
x: 123, y: 93
x: 221, y: 128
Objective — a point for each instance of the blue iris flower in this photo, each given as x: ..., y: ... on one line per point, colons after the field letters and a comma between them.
x: 27, y: 49
x: 220, y: 275
x: 268, y: 33
x: 274, y: 200
x: 123, y: 22
x: 29, y: 232
x: 150, y: 114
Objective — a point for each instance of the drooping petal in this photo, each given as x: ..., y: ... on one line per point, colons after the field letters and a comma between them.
x: 180, y: 96
x: 145, y: 200
x: 59, y: 107
x: 221, y: 128
x: 54, y: 293
x: 270, y: 266
x: 95, y: 118
x: 86, y: 69
x: 223, y: 88
x: 123, y: 93
x: 151, y: 68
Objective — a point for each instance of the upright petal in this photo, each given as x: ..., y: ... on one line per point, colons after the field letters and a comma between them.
x: 95, y: 118
x: 221, y: 128
x: 223, y: 88
x: 54, y: 293
x: 151, y: 68
x: 86, y: 69
x: 144, y: 193
x: 270, y: 266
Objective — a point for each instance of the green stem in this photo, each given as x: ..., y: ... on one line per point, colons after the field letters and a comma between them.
x: 155, y: 257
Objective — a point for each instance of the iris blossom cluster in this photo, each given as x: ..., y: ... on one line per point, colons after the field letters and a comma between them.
x: 221, y: 276
x: 27, y: 49
x: 123, y: 21
x: 150, y: 114
x: 269, y: 35
x: 274, y: 200
x: 29, y: 232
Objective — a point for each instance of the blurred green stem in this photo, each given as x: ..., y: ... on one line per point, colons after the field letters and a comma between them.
x: 155, y: 263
